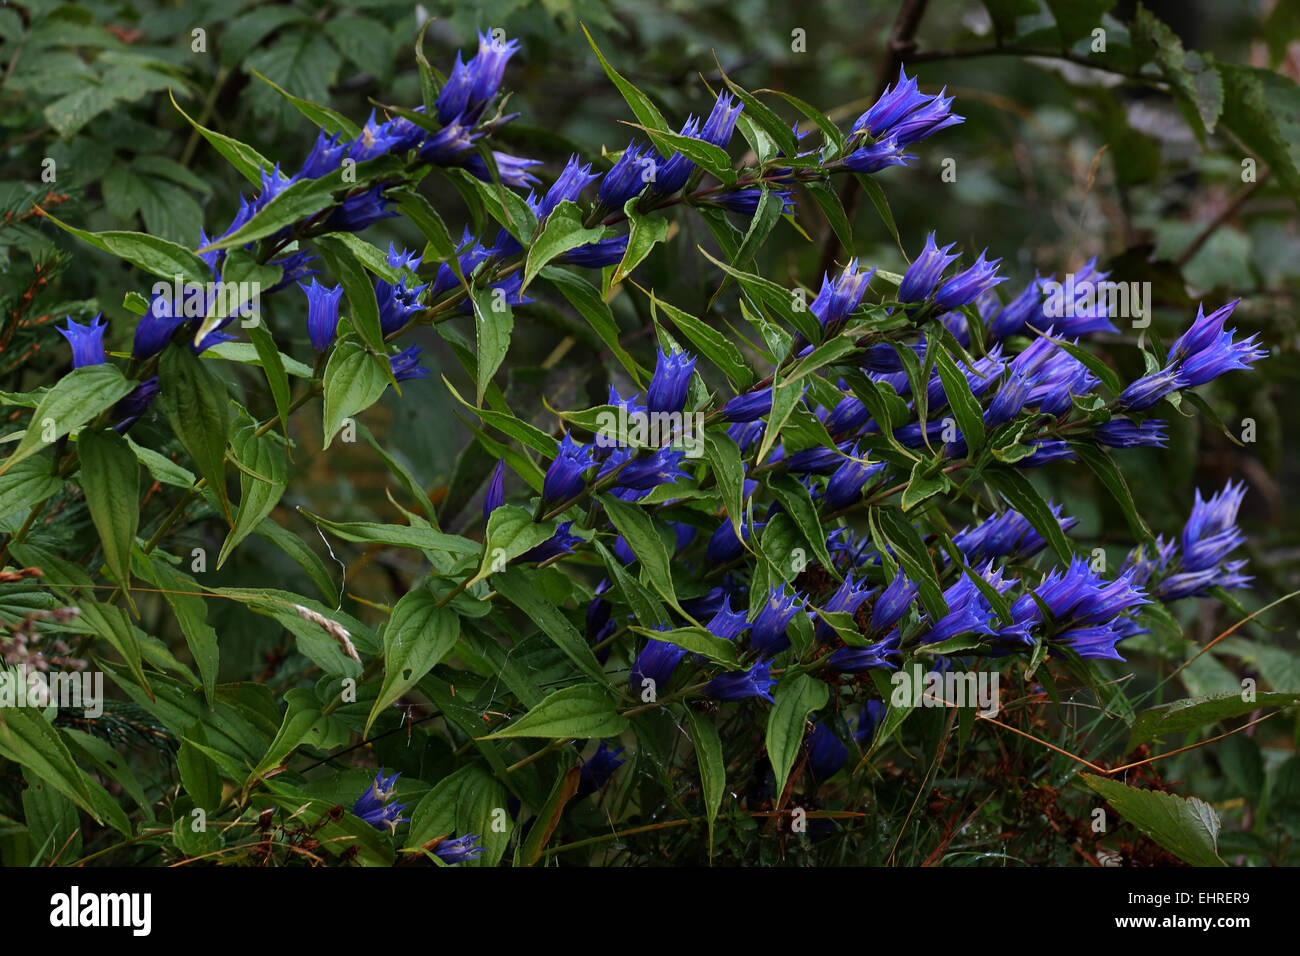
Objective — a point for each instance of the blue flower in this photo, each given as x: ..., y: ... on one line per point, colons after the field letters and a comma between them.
x: 566, y: 476
x: 748, y: 406
x: 837, y: 300
x: 847, y: 598
x: 967, y: 286
x: 598, y: 254
x: 557, y: 544
x: 721, y: 124
x: 568, y: 186
x: 874, y: 157
x: 1013, y: 317
x: 396, y: 304
x: 723, y: 546
x: 406, y: 364
x: 129, y: 409
x: 906, y: 114
x: 1126, y: 433
x: 767, y: 634
x: 472, y: 85
x: 846, y: 483
x: 87, y: 341
x: 155, y: 328
x: 597, y: 769
x: 739, y: 685
x: 1005, y: 535
x: 745, y: 201
x: 726, y: 623
x: 1210, y: 535
x: 923, y: 274
x: 656, y: 662
x: 672, y: 377
x: 322, y: 313
x: 512, y: 169
x: 374, y: 808
x: 359, y: 211
x: 893, y: 602
x: 460, y: 849
x: 495, y: 496
x: 626, y: 178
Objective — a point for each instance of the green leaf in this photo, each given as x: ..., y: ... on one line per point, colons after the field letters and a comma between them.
x: 548, y: 817
x: 266, y: 456
x: 905, y: 542
x: 324, y: 117
x: 965, y: 407
x: 1180, y: 716
x: 584, y: 710
x: 586, y: 298
x: 1186, y: 827
x: 493, y: 323
x: 354, y: 380
x: 796, y: 698
x: 927, y: 479
x: 712, y: 345
x: 400, y: 536
x: 419, y: 635
x: 646, y: 231
x: 697, y: 640
x: 640, y: 104
x: 1261, y: 107
x: 799, y: 504
x: 562, y: 231
x: 77, y: 398
x: 195, y: 403
x: 272, y: 363
x: 511, y: 531
x: 515, y: 585
x: 154, y: 255
x: 247, y: 161
x: 1103, y: 466
x: 638, y: 530
x: 26, y: 486
x: 27, y: 738
x: 183, y: 596
x: 713, y: 768
x: 110, y: 479
x: 1021, y: 495
x: 345, y: 265
x: 1076, y: 19
x: 829, y: 201
x: 199, y: 777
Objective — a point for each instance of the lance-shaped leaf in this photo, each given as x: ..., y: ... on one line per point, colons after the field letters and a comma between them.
x: 584, y: 710
x: 195, y: 403
x: 419, y: 635
x: 796, y: 698
x: 110, y: 480
x: 77, y: 398
x: 562, y: 231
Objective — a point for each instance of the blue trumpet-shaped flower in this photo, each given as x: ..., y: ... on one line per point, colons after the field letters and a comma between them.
x: 460, y: 849
x: 740, y: 685
x: 87, y: 341
x: 322, y: 313
x: 924, y: 272
x: 767, y: 634
x: 672, y: 377
x: 597, y: 769
x: 567, y: 474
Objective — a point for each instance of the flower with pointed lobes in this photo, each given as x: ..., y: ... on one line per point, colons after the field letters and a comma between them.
x: 847, y: 598
x: 748, y: 406
x: 745, y: 201
x: 873, y: 157
x: 827, y: 755
x: 668, y: 385
x: 1012, y: 318
x: 472, y: 85
x: 406, y: 364
x: 322, y: 313
x: 924, y: 272
x: 846, y: 483
x: 626, y: 178
x: 1123, y: 432
x: 724, y: 547
x: 837, y: 300
x: 568, y: 186
x: 1005, y: 535
x: 726, y: 623
x: 598, y: 254
x: 740, y: 685
x: 893, y: 602
x: 373, y: 806
x: 460, y: 849
x: 359, y: 211
x: 87, y: 341
x: 905, y: 113
x: 566, y: 476
x: 397, y: 304
x: 968, y: 285
x: 767, y: 633
x: 512, y: 169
